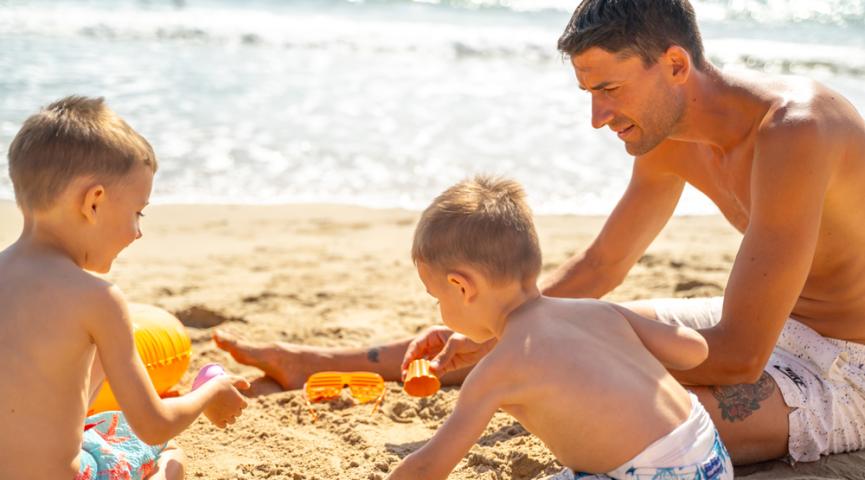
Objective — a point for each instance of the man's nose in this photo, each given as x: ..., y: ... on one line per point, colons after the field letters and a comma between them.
x: 602, y: 114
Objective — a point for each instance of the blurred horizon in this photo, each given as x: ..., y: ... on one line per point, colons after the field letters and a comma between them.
x: 379, y: 103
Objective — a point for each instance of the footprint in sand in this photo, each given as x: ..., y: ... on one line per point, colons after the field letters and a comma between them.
x: 202, y: 317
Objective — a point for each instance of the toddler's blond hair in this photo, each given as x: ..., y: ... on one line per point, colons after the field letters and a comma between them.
x: 72, y: 137
x: 484, y: 222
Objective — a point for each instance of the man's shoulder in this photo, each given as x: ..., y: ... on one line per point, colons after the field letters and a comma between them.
x: 799, y: 145
x: 804, y: 110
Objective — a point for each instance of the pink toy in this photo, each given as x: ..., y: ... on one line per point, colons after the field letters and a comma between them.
x: 206, y: 373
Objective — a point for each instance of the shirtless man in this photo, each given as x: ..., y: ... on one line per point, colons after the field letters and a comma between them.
x: 783, y: 158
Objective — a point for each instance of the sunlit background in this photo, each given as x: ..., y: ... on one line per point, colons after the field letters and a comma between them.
x: 378, y: 102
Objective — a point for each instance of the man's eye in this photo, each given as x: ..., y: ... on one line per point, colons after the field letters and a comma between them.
x: 140, y: 215
x: 611, y: 89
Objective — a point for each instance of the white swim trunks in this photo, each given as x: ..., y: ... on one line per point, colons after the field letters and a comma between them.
x: 822, y: 379
x: 692, y: 451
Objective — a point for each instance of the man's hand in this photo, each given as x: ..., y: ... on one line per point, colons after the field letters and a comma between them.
x: 448, y: 351
x: 227, y: 403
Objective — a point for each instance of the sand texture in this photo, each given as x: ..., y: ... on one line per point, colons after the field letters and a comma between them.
x: 341, y: 276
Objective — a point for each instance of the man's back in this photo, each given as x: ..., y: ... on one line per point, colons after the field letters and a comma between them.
x: 583, y: 382
x: 46, y: 356
x: 832, y: 300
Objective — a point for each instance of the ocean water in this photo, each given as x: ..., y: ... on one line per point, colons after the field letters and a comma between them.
x: 376, y: 102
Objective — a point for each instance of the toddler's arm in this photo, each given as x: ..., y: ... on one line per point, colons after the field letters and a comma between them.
x: 475, y: 408
x: 154, y: 420
x: 676, y: 347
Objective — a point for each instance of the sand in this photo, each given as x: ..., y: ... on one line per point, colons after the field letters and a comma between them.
x: 341, y: 276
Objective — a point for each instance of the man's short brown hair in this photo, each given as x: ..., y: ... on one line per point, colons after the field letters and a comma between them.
x: 75, y: 136
x: 634, y: 27
x: 483, y: 222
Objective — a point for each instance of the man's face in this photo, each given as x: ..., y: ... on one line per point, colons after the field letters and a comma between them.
x: 636, y: 102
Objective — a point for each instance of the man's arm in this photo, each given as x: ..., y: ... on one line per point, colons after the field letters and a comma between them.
x: 644, y: 209
x: 790, y: 174
x: 475, y: 407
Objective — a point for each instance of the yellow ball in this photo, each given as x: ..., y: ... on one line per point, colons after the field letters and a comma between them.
x: 163, y: 346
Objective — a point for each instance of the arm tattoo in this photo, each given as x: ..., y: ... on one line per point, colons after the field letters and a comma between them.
x: 372, y: 354
x: 738, y: 402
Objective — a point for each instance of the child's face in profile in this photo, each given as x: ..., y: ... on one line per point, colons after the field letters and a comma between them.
x: 456, y: 312
x: 119, y: 217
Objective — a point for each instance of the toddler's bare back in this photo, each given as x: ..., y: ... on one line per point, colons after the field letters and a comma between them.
x: 584, y: 383
x: 46, y: 357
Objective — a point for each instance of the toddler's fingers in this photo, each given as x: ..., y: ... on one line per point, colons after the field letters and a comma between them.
x: 407, y: 358
x: 428, y: 344
x: 241, y: 383
x: 440, y: 363
x: 413, y: 352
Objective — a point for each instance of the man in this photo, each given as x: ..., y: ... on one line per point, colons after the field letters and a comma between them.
x: 783, y: 158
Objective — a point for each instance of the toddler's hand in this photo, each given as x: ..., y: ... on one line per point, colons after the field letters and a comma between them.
x: 459, y: 352
x: 428, y: 344
x: 227, y: 403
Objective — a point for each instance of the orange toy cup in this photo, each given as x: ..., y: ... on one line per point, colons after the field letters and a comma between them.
x: 419, y: 381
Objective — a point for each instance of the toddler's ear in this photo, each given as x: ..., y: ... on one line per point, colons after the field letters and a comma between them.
x: 93, y: 198
x: 465, y: 283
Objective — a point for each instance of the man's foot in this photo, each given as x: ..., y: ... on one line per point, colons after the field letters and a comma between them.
x: 288, y: 364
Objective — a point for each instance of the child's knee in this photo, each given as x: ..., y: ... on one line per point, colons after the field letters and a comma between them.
x: 171, y: 463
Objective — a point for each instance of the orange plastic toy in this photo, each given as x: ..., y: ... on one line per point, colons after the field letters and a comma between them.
x: 419, y: 381
x: 163, y: 346
x: 365, y: 387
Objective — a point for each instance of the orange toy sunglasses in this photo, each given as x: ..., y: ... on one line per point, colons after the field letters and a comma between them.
x: 364, y: 387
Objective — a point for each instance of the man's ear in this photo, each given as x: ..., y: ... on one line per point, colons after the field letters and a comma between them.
x: 93, y: 199
x: 467, y: 286
x: 678, y: 63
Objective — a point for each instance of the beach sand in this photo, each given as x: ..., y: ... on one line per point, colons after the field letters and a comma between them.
x: 342, y: 276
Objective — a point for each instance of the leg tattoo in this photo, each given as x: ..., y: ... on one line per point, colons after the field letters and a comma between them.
x: 372, y: 354
x: 738, y: 402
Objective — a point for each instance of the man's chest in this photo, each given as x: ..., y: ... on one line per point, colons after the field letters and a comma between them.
x: 725, y: 179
